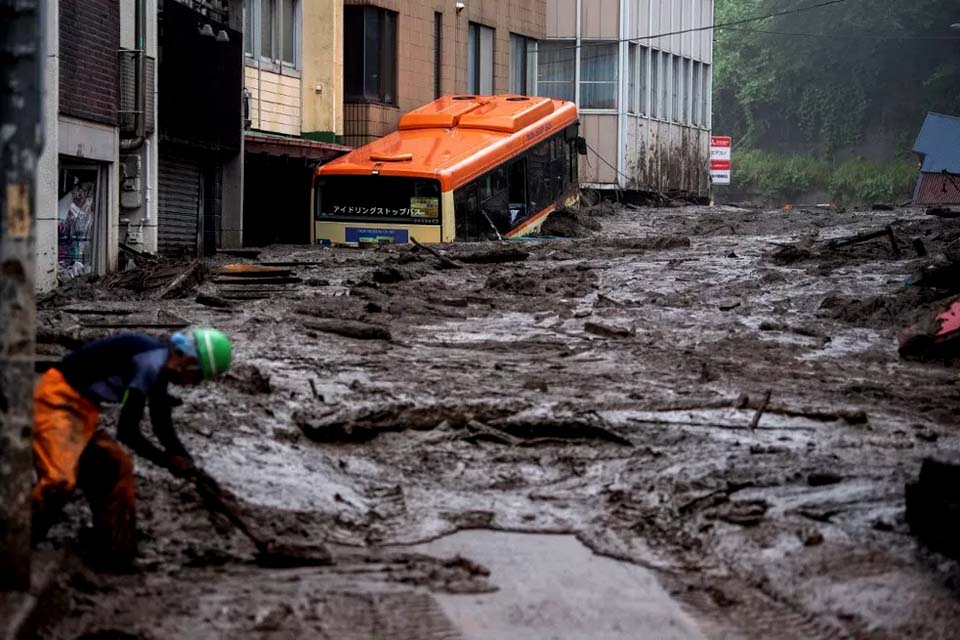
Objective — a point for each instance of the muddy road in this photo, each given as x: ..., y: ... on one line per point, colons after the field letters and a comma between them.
x: 601, y: 387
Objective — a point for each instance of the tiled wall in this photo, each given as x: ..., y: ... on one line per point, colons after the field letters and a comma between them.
x: 415, y: 55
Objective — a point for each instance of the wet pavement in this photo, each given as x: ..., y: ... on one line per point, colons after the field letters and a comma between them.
x: 601, y: 388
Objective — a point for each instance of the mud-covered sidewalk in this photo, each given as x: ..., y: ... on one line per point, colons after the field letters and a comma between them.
x: 601, y: 387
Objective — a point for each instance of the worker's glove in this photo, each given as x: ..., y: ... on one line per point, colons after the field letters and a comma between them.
x: 182, y: 467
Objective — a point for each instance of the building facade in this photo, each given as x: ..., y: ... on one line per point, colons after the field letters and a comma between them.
x: 640, y: 71
x: 402, y: 54
x: 293, y: 88
x: 143, y: 142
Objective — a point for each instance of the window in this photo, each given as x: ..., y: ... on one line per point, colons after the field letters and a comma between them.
x: 644, y: 80
x: 521, y: 187
x: 272, y: 28
x: 480, y: 60
x: 677, y: 90
x: 665, y: 104
x: 437, y: 54
x: 632, y: 79
x: 598, y: 75
x: 655, y: 84
x: 687, y: 91
x: 557, y: 69
x: 523, y: 64
x: 706, y: 115
x: 370, y: 55
x: 695, y: 98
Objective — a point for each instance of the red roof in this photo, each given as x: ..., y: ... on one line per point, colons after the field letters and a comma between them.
x: 937, y: 189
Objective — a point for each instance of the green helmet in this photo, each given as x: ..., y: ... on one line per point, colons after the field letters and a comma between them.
x: 213, y: 351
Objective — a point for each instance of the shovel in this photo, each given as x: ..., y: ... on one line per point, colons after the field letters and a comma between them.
x: 270, y: 553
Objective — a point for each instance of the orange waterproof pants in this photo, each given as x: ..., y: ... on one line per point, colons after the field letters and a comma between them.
x: 68, y: 452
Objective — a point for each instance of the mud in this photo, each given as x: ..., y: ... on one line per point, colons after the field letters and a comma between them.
x: 604, y: 387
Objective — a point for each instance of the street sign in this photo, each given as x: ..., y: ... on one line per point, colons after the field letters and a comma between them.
x: 720, y: 147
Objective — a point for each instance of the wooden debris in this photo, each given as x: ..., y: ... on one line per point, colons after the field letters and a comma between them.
x: 188, y: 278
x: 498, y: 255
x: 241, y: 253
x: 445, y: 262
x: 350, y: 329
x: 253, y: 271
x: 215, y: 302
x: 865, y: 237
x: 759, y: 414
x: 608, y: 331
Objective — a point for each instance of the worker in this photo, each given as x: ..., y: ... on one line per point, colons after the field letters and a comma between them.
x: 69, y: 451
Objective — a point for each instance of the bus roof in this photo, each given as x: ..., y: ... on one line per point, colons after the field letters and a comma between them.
x: 458, y: 138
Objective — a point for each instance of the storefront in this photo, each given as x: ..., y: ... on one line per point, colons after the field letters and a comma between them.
x: 81, y: 218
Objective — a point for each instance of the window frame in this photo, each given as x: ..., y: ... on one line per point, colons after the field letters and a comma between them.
x: 549, y: 47
x: 387, y: 93
x: 530, y: 48
x: 561, y: 153
x: 633, y: 71
x: 475, y: 48
x: 253, y: 40
x: 437, y: 54
x: 614, y: 83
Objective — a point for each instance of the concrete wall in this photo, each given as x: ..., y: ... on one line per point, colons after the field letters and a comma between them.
x: 415, y: 55
x: 47, y: 166
x: 322, y: 70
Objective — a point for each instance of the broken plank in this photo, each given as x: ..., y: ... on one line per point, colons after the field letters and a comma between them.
x: 135, y: 325
x: 350, y: 329
x: 444, y: 260
x: 258, y: 280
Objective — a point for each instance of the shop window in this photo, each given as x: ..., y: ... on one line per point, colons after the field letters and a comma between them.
x: 523, y: 65
x: 370, y: 55
x: 557, y: 69
x: 480, y: 59
x: 598, y: 75
x: 80, y: 220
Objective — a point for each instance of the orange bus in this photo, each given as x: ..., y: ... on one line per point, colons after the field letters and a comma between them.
x: 460, y: 168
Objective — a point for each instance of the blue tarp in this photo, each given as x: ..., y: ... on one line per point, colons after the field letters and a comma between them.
x: 938, y: 145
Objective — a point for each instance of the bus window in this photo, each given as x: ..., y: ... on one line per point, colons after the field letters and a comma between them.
x: 467, y: 210
x: 517, y: 179
x: 378, y: 199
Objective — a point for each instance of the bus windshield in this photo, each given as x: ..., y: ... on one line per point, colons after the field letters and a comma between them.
x: 378, y: 198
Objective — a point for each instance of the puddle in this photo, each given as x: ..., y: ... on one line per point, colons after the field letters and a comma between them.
x: 551, y: 586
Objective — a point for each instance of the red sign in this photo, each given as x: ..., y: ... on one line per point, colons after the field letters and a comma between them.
x: 719, y: 165
x: 721, y: 141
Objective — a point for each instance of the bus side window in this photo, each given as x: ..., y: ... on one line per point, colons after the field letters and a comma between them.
x: 538, y: 177
x: 466, y: 210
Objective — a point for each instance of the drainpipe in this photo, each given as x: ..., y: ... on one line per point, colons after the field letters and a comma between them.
x: 140, y: 79
x: 622, y: 97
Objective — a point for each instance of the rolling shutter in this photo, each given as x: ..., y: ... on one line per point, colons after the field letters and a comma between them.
x: 179, y: 206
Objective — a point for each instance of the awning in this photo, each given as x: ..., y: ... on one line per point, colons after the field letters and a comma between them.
x: 281, y: 147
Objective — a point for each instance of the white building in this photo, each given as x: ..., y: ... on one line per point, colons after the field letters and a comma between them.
x: 640, y: 71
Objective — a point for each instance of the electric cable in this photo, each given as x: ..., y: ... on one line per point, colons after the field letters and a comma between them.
x: 716, y: 25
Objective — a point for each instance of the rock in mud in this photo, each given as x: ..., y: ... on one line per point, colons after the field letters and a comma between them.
x: 248, y: 379
x: 608, y: 330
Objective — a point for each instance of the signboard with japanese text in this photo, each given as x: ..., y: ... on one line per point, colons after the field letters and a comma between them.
x: 720, y: 147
